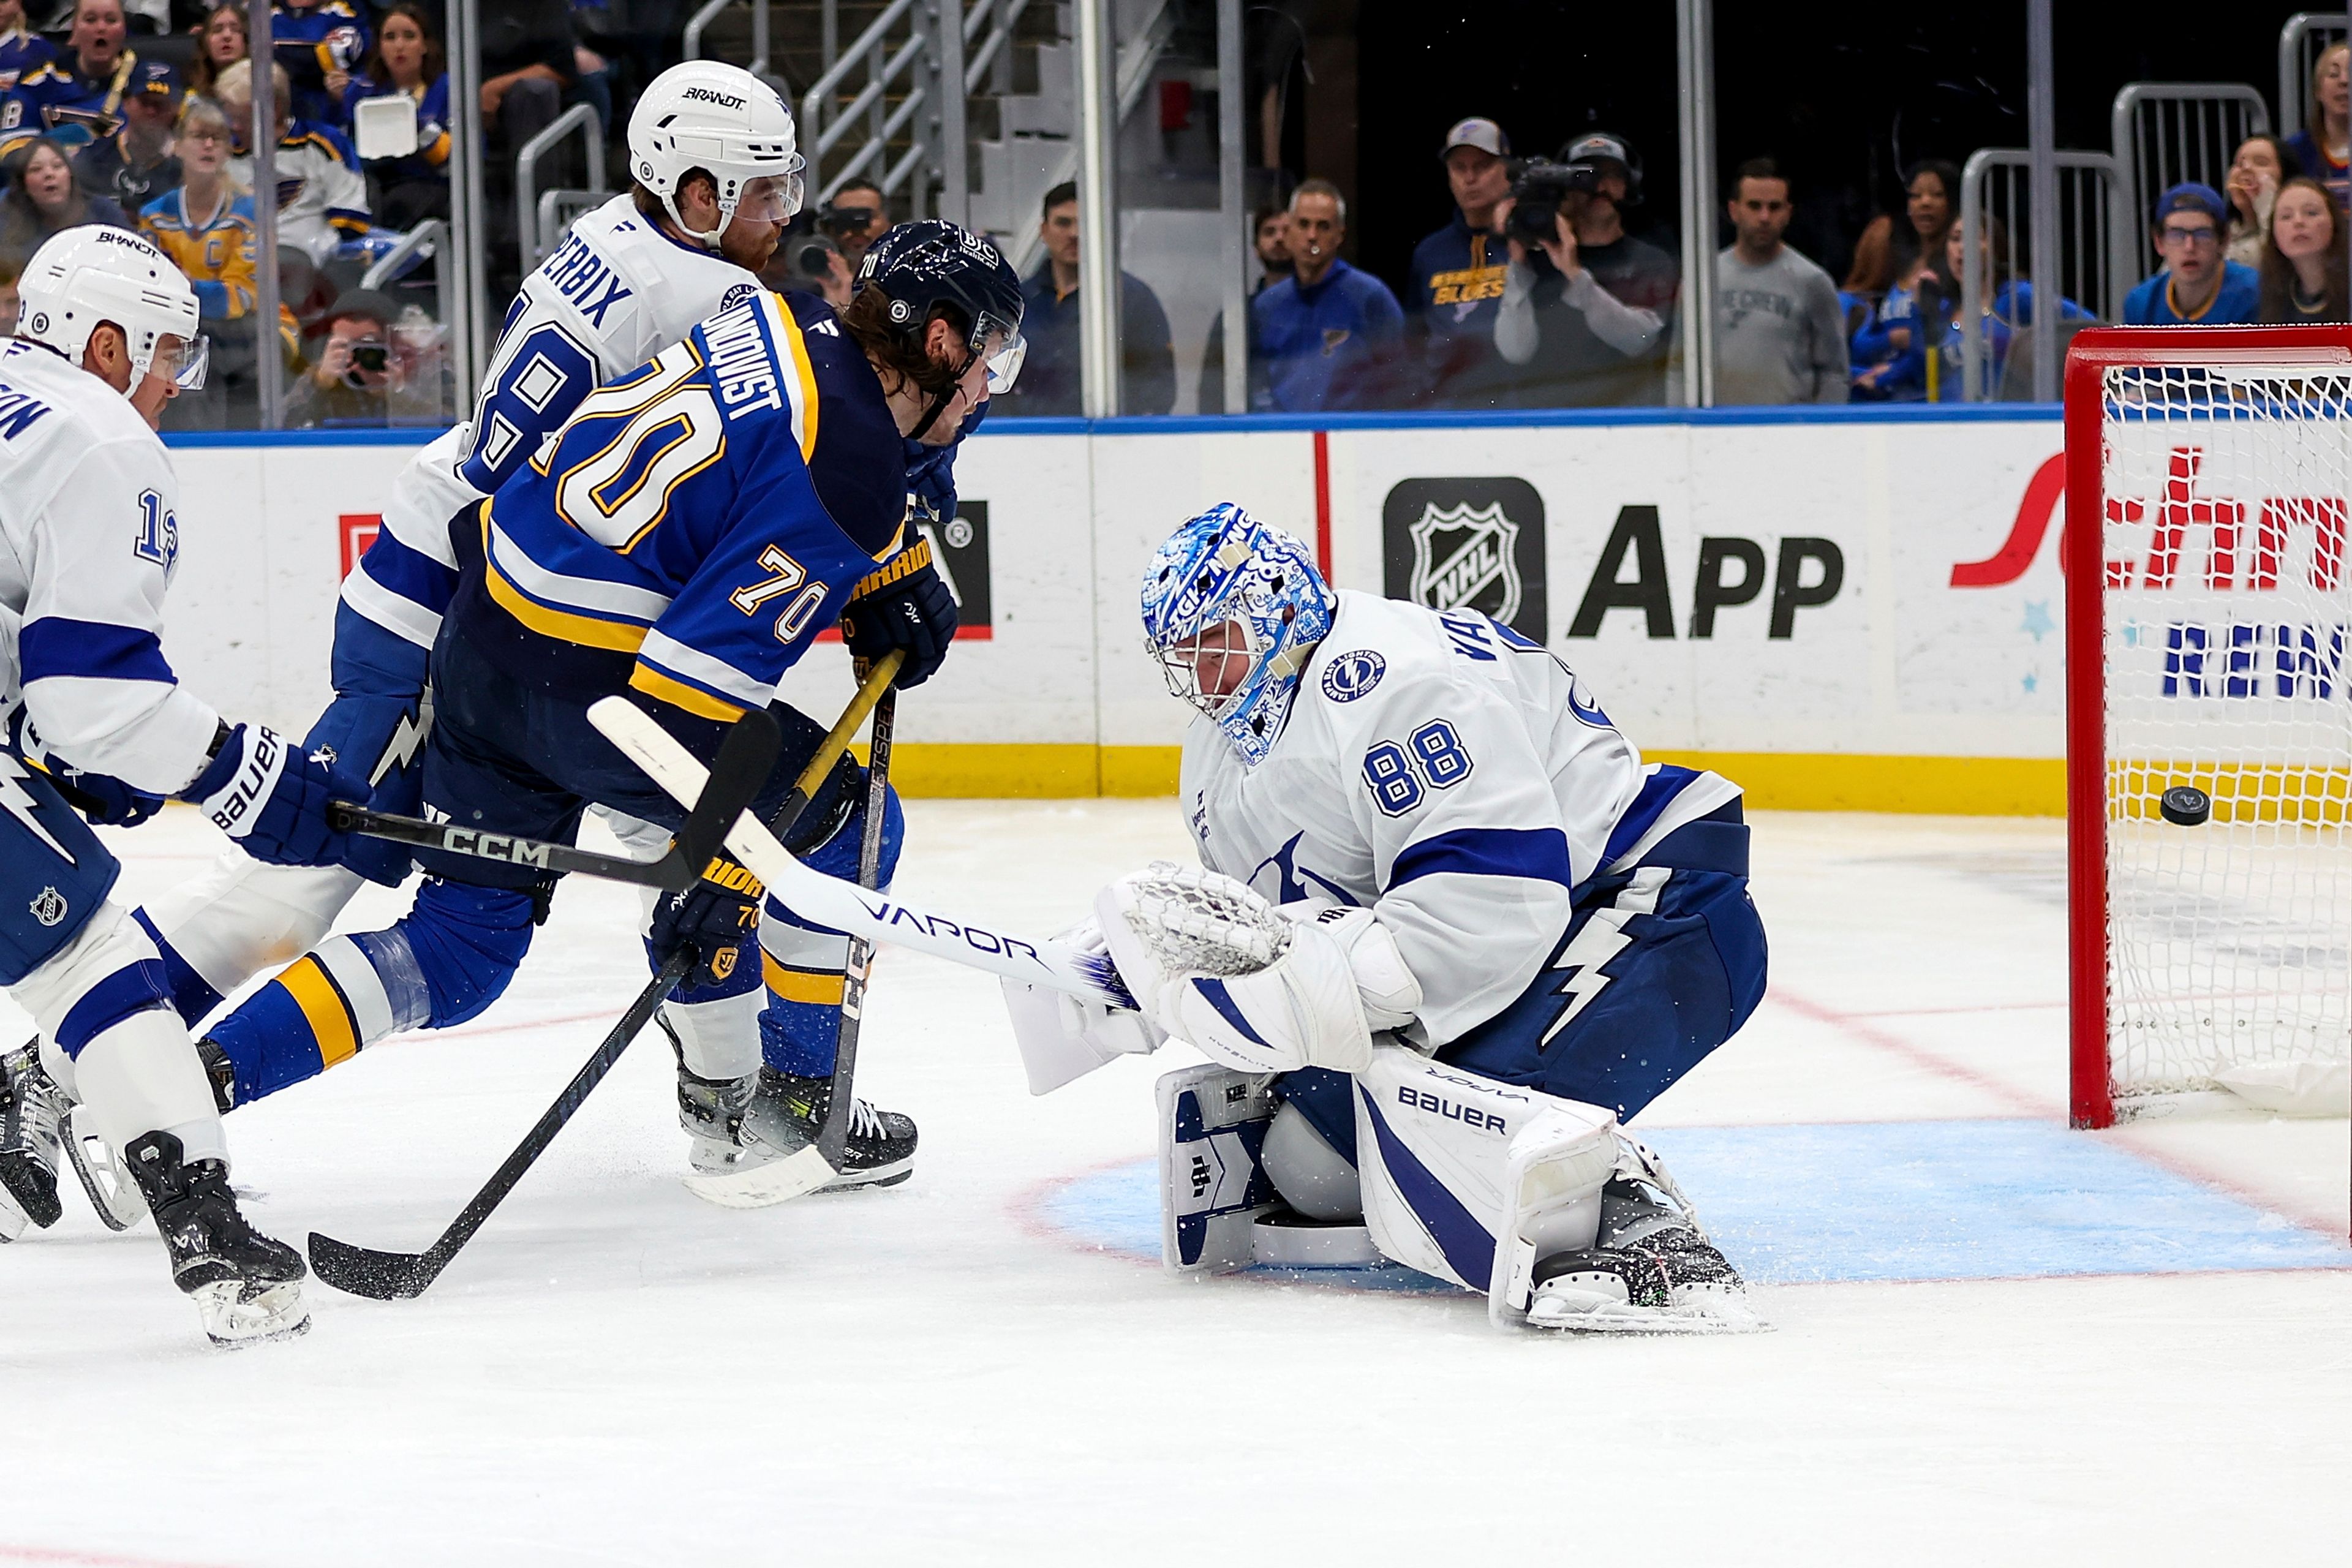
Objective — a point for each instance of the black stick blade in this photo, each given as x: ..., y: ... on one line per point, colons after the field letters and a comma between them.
x: 363, y: 1271
x: 745, y: 759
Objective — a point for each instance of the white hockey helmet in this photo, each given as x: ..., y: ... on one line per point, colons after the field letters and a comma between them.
x: 81, y: 277
x: 722, y: 120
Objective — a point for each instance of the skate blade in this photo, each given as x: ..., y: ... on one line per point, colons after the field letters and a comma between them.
x: 798, y: 1174
x: 234, y: 1321
x: 110, y: 1191
x: 881, y: 1176
x: 1588, y: 1315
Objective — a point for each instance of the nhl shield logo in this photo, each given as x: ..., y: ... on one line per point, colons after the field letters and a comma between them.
x: 1466, y: 557
x: 1470, y: 544
x: 49, y: 908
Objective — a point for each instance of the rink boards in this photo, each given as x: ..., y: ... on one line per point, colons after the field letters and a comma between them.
x: 1855, y: 609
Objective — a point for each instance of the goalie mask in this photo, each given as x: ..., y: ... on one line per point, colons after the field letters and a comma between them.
x: 1232, y: 611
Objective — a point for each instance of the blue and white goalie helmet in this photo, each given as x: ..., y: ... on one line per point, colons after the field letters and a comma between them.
x: 1232, y: 609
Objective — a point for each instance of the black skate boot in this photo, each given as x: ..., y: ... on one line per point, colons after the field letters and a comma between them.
x: 220, y: 1073
x: 1650, y: 1271
x: 711, y: 1110
x: 247, y: 1288
x: 774, y: 1156
x: 32, y: 1123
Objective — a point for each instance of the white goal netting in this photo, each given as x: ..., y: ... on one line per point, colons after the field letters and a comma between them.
x: 2227, y: 631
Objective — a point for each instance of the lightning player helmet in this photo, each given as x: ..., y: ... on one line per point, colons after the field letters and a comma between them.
x: 723, y: 121
x: 1225, y: 567
x: 82, y: 278
x: 931, y: 268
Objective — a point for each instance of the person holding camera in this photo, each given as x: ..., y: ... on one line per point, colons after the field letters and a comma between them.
x: 1586, y: 309
x: 358, y: 379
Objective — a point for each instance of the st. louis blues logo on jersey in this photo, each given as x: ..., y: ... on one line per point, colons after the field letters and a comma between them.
x: 1350, y: 675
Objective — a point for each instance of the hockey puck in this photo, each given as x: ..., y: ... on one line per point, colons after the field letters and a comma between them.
x: 2186, y: 805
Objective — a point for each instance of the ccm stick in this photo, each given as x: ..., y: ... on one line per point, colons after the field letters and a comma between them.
x: 875, y: 916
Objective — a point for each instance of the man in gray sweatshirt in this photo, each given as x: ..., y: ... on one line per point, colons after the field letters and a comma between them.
x: 1780, y: 331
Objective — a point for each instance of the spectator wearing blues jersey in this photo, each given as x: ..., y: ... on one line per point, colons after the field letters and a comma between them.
x: 2197, y: 284
x: 408, y: 62
x: 2303, y: 270
x: 319, y: 42
x: 137, y: 162
x: 1458, y: 273
x: 1329, y: 334
x: 2322, y: 147
x: 77, y: 96
x: 220, y: 44
x: 322, y: 197
x: 43, y: 198
x: 21, y: 50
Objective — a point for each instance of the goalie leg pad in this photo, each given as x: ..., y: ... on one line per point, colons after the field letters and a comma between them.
x: 1312, y: 1176
x: 1464, y: 1178
x: 1213, y: 1186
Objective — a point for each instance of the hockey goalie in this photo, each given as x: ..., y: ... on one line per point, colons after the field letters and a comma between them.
x: 1448, y: 933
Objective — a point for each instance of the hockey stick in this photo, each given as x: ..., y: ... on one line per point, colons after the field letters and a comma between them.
x: 834, y: 1136
x: 399, y: 1276
x: 827, y: 901
x: 674, y: 872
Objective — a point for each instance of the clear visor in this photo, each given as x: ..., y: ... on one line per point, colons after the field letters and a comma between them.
x: 182, y: 361
x: 770, y: 198
x: 1004, y: 348
x: 1207, y: 669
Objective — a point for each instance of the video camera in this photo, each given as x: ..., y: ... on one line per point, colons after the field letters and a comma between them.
x: 845, y: 222
x: 1537, y: 193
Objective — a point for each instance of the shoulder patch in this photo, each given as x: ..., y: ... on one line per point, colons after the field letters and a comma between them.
x: 1350, y: 675
x: 736, y: 296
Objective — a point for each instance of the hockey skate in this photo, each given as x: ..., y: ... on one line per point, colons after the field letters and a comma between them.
x: 769, y: 1153
x: 247, y: 1288
x: 1651, y: 1270
x: 32, y: 1111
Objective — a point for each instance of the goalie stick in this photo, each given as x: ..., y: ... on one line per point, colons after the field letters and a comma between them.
x: 827, y: 901
x: 401, y: 1276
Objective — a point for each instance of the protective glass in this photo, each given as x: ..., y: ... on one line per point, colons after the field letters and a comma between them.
x: 183, y: 361
x: 771, y: 198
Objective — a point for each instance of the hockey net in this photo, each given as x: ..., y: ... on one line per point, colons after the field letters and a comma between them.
x: 2209, y: 644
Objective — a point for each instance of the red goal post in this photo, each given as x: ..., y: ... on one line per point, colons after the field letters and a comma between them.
x: 2209, y: 607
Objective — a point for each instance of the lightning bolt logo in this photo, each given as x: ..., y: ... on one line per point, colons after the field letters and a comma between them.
x: 18, y: 802
x: 1580, y: 963
x: 408, y: 740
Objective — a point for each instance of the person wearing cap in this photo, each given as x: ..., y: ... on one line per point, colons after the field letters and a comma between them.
x: 1458, y: 272
x: 1588, y: 315
x: 1326, y: 336
x: 360, y: 379
x: 77, y: 96
x: 2198, y: 285
x: 137, y: 162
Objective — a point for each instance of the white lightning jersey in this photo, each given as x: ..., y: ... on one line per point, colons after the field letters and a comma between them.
x: 616, y: 292
x: 88, y: 543
x: 1450, y: 775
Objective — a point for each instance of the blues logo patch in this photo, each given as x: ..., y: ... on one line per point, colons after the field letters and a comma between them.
x: 1350, y: 675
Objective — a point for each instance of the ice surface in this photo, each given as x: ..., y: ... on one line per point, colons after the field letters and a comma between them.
x: 959, y: 1371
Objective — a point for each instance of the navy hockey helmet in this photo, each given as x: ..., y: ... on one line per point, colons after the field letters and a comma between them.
x: 931, y: 267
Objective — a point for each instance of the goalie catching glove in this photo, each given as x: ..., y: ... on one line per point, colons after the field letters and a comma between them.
x: 1258, y: 988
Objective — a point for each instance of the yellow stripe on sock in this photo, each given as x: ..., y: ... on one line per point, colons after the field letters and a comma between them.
x: 322, y: 1005
x: 822, y: 990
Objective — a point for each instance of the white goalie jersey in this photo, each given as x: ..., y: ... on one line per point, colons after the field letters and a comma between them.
x: 616, y: 292
x: 1454, y: 777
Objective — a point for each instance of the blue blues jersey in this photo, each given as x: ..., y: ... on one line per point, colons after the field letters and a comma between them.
x: 54, y: 99
x: 2238, y: 298
x: 310, y: 43
x: 675, y: 536
x: 22, y: 52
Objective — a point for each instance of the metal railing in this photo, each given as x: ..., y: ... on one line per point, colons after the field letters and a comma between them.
x: 2094, y: 251
x: 529, y: 236
x: 2305, y: 36
x: 1131, y: 73
x: 2163, y: 132
x: 691, y: 48
x: 426, y: 240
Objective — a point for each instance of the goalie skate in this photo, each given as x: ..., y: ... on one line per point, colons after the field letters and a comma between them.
x: 1652, y: 1272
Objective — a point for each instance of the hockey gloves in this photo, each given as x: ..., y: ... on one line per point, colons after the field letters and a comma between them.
x: 272, y: 799
x: 716, y: 918
x: 906, y: 605
x: 382, y: 739
x: 102, y: 799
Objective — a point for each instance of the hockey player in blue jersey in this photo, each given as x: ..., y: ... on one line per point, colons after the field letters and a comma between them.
x: 1504, y: 933
x: 94, y: 715
x: 683, y: 538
